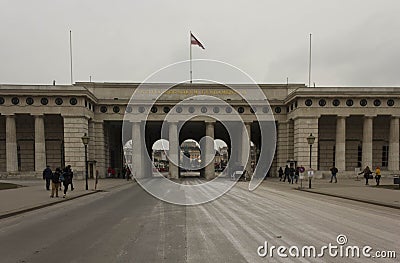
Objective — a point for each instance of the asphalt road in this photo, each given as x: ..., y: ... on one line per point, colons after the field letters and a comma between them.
x: 129, y: 225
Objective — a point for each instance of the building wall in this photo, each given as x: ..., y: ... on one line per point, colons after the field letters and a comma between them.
x: 2, y: 143
x: 354, y: 137
x: 381, y: 127
x: 26, y: 142
x: 295, y: 123
x: 303, y: 127
x: 74, y: 151
x: 54, y: 134
x: 327, y: 137
x: 290, y: 139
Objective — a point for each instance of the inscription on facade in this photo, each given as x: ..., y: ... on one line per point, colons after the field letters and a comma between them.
x: 191, y: 91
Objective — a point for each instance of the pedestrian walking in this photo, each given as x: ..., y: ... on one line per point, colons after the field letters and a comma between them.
x: 367, y: 174
x: 291, y: 174
x: 378, y: 175
x: 47, y: 173
x: 128, y: 173
x: 334, y: 172
x: 66, y: 180
x: 280, y: 173
x: 55, y: 182
x: 70, y: 173
x: 286, y: 173
x: 302, y: 169
x: 297, y: 174
x: 96, y: 180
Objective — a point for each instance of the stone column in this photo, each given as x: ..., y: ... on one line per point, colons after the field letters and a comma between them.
x: 210, y: 169
x: 282, y: 150
x: 173, y: 155
x: 393, y: 164
x: 74, y: 150
x: 11, y: 144
x: 340, y: 148
x: 40, y: 144
x: 367, y: 142
x: 137, y: 150
x: 303, y: 126
x: 100, y: 150
x: 92, y: 149
x: 92, y: 141
x: 246, y: 138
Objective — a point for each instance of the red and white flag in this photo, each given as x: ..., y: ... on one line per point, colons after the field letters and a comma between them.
x: 194, y: 41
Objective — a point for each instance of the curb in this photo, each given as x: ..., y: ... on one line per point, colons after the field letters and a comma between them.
x: 44, y: 205
x: 351, y: 198
x: 22, y: 211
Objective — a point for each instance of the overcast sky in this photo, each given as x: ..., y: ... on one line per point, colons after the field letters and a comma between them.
x: 354, y: 42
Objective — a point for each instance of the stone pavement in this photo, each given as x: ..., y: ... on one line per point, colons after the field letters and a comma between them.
x: 33, y: 194
x: 348, y: 189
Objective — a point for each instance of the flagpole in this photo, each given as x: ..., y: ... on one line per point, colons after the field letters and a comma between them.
x: 309, y: 66
x: 190, y: 44
x: 70, y: 53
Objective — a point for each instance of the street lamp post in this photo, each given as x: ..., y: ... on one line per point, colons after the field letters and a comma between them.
x: 310, y: 140
x: 85, y: 140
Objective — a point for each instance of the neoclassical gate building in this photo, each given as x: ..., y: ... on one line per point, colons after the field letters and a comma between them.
x: 43, y: 124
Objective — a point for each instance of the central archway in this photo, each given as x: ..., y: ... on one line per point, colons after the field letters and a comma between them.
x: 190, y: 158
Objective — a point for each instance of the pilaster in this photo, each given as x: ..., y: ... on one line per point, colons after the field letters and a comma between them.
x: 74, y: 128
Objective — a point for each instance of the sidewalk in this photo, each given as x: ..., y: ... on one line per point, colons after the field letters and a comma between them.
x: 350, y: 189
x: 33, y: 195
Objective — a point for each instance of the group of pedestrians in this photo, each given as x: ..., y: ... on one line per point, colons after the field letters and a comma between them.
x: 57, y: 178
x: 368, y: 174
x: 290, y: 173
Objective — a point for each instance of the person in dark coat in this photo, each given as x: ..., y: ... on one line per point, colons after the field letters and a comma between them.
x: 291, y: 174
x: 297, y: 173
x: 47, y: 174
x: 286, y: 173
x: 334, y: 171
x: 367, y: 172
x: 70, y: 173
x: 55, y: 182
x: 280, y: 173
x: 66, y: 180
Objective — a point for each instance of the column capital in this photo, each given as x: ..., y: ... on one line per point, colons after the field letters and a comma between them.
x: 131, y: 121
x: 75, y: 116
x: 210, y: 122
x: 97, y: 121
x: 369, y: 116
x: 173, y: 122
x: 307, y: 117
x: 342, y: 116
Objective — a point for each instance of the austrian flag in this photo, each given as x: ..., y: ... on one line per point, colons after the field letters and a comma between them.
x: 194, y: 41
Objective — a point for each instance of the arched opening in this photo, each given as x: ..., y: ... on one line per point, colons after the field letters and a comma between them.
x: 221, y: 155
x: 128, y: 152
x: 159, y: 156
x: 190, y: 158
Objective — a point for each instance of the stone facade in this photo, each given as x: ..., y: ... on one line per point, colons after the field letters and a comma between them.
x: 353, y: 126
